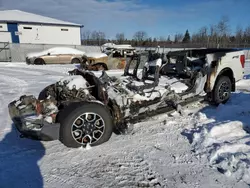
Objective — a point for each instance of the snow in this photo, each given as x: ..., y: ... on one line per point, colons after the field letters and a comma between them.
x: 174, y: 83
x: 56, y: 51
x: 207, y: 147
x: 21, y: 16
x: 224, y: 137
x: 108, y: 45
x: 74, y: 81
x: 118, y: 46
x: 95, y: 54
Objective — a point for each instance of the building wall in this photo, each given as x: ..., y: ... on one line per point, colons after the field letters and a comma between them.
x: 43, y: 34
x: 5, y: 36
x: 3, y: 27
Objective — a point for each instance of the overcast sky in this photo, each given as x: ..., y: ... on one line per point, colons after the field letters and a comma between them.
x: 156, y: 17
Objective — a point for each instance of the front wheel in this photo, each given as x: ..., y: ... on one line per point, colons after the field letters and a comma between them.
x: 222, y: 90
x: 39, y: 61
x: 99, y: 67
x: 89, y: 123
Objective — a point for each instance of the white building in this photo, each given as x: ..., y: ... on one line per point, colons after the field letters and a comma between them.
x: 27, y: 28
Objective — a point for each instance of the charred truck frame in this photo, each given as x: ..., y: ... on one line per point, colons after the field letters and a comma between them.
x: 83, y: 109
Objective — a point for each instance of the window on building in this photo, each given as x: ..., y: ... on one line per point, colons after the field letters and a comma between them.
x: 27, y: 27
x: 1, y: 26
x: 64, y: 29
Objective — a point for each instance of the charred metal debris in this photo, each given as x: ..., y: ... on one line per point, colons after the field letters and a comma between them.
x: 189, y: 67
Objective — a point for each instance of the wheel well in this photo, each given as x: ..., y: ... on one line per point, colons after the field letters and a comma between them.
x: 75, y: 58
x: 103, y: 64
x: 37, y: 59
x: 229, y: 73
x: 70, y: 106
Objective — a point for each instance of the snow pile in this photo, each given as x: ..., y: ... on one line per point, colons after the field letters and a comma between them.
x: 222, y: 135
x: 244, y: 85
x: 95, y: 55
x: 176, y: 85
x: 75, y: 82
x: 227, y: 147
x: 108, y: 45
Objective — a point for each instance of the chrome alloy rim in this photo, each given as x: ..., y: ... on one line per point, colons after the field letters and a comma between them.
x: 88, y: 128
x: 224, y: 91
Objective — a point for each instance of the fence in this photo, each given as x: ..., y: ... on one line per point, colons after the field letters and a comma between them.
x: 5, y: 52
x: 17, y: 52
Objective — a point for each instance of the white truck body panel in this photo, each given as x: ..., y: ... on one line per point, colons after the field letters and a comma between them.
x: 229, y: 61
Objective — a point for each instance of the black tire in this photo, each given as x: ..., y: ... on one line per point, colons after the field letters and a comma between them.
x: 100, y: 66
x: 39, y: 61
x: 71, y: 115
x: 222, y: 90
x: 75, y: 61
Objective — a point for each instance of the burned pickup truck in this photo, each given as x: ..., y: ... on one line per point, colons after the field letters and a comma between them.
x: 83, y: 109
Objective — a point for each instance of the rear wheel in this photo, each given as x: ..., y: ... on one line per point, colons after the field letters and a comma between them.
x: 222, y: 90
x: 90, y: 123
x: 99, y: 66
x: 39, y: 61
x: 75, y: 61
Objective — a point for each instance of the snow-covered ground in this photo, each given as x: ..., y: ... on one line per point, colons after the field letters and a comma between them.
x: 207, y: 147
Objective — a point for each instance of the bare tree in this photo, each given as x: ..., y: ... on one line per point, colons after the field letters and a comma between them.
x: 246, y: 37
x: 239, y: 35
x: 223, y: 30
x: 195, y: 38
x: 178, y: 37
x: 94, y: 35
x: 213, y: 35
x: 203, y: 34
x: 140, y: 36
x: 98, y: 37
x: 223, y: 26
x: 101, y: 37
x: 86, y: 36
x: 120, y: 38
x: 162, y: 39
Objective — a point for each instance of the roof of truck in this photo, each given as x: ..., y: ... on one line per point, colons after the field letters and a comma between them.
x: 203, y: 51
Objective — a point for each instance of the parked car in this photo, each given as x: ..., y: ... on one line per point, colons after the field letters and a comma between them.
x: 100, y: 61
x: 83, y: 109
x: 57, y: 55
x: 95, y: 61
x: 118, y: 54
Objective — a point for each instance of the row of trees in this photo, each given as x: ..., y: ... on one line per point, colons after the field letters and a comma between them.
x: 216, y: 35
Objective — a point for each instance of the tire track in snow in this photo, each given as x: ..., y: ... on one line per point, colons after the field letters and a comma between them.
x: 123, y: 171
